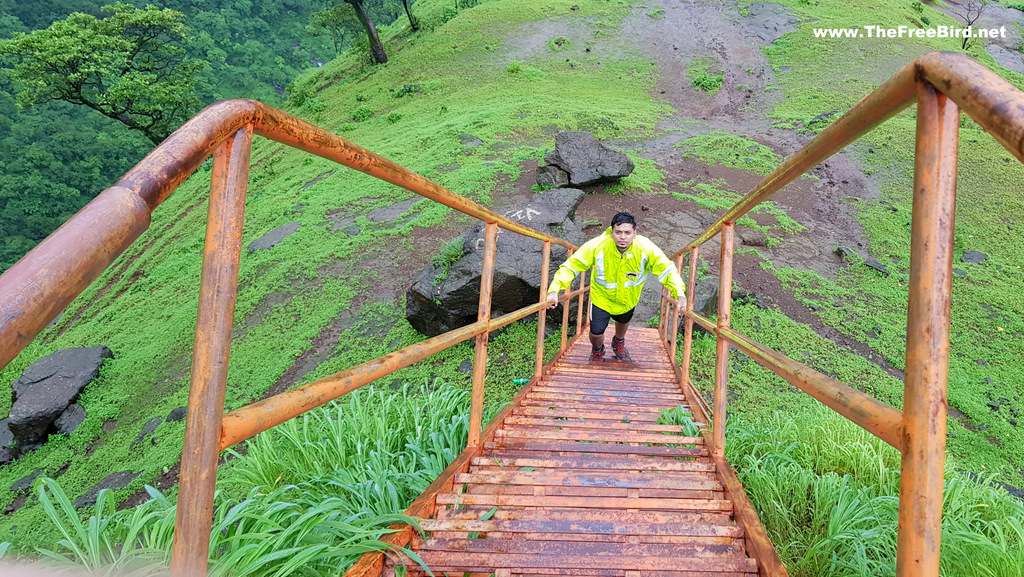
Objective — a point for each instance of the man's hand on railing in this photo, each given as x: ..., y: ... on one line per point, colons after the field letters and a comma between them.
x: 552, y: 300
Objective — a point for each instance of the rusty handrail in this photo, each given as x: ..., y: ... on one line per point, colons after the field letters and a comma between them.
x: 250, y: 420
x: 51, y: 275
x: 993, y: 103
x: 942, y: 83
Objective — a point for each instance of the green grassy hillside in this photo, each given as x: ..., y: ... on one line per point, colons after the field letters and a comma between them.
x: 512, y: 74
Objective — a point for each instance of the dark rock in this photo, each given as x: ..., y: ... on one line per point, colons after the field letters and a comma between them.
x: 768, y: 22
x: 877, y: 266
x: 435, y: 305
x: 352, y: 230
x: 148, y: 428
x: 982, y: 362
x: 112, y: 481
x: 993, y: 405
x: 470, y: 140
x: 960, y: 272
x: 25, y: 483
x: 823, y: 116
x: 6, y: 436
x: 705, y: 297
x: 551, y: 175
x: 47, y: 387
x: 393, y: 212
x: 69, y: 420
x: 1012, y: 422
x: 586, y: 159
x: 752, y: 237
x: 466, y: 366
x: 6, y: 456
x: 974, y: 257
x: 274, y: 237
x: 847, y: 252
x: 1013, y: 491
x: 177, y: 414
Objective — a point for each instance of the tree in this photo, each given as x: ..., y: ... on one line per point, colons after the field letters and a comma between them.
x: 412, y: 22
x: 969, y: 11
x: 376, y: 48
x: 337, y: 22
x: 130, y: 66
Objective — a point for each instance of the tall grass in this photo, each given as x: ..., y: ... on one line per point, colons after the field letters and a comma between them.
x: 827, y: 492
x: 309, y: 497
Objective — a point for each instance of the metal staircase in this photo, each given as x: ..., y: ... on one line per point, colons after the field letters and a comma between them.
x: 579, y: 479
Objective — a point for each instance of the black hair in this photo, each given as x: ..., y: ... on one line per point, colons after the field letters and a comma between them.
x: 623, y: 218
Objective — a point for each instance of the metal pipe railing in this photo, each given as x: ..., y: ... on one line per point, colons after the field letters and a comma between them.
x: 942, y: 83
x: 42, y: 283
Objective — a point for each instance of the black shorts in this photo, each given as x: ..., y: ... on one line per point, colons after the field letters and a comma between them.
x: 599, y: 318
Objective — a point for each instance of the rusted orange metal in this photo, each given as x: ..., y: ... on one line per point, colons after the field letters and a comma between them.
x: 217, y: 292
x: 565, y: 313
x: 39, y: 286
x: 876, y: 417
x: 676, y: 310
x: 722, y: 346
x: 252, y: 419
x: 580, y: 314
x: 688, y: 322
x: 924, y: 398
x: 476, y: 410
x: 608, y: 507
x: 542, y: 318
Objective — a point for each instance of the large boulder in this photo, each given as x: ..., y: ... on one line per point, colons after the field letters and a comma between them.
x: 46, y: 388
x: 437, y: 303
x: 586, y: 160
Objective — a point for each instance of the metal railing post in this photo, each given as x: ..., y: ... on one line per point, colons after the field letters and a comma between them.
x: 928, y: 309
x: 579, y: 304
x: 542, y: 317
x: 217, y: 294
x: 688, y: 322
x: 722, y: 348
x: 565, y: 313
x: 476, y: 411
x: 675, y: 318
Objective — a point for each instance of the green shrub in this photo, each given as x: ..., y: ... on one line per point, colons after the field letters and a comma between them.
x: 702, y: 78
x: 450, y: 252
x: 515, y: 68
x: 658, y: 13
x: 393, y: 117
x: 362, y: 113
x: 917, y: 7
x: 559, y: 43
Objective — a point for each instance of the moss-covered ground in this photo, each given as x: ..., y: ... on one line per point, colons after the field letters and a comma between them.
x: 466, y: 74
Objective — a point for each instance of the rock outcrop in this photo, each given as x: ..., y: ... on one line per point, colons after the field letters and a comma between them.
x: 45, y: 390
x: 437, y: 302
x: 580, y: 159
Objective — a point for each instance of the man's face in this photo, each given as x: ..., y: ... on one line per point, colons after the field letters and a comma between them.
x: 623, y: 234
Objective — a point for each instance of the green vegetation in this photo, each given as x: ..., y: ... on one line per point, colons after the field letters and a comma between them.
x: 293, y: 289
x: 559, y: 43
x: 726, y: 149
x: 450, y: 252
x: 987, y: 319
x: 824, y: 488
x: 310, y: 497
x: 701, y: 76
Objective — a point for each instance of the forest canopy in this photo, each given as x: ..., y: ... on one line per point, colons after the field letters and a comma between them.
x: 124, y: 77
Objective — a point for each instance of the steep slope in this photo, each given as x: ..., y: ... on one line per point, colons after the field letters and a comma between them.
x: 511, y: 74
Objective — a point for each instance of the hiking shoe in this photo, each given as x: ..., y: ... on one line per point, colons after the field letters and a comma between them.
x: 597, y: 355
x: 620, y: 350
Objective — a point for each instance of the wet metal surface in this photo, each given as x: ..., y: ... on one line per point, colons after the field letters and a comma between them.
x: 579, y: 477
